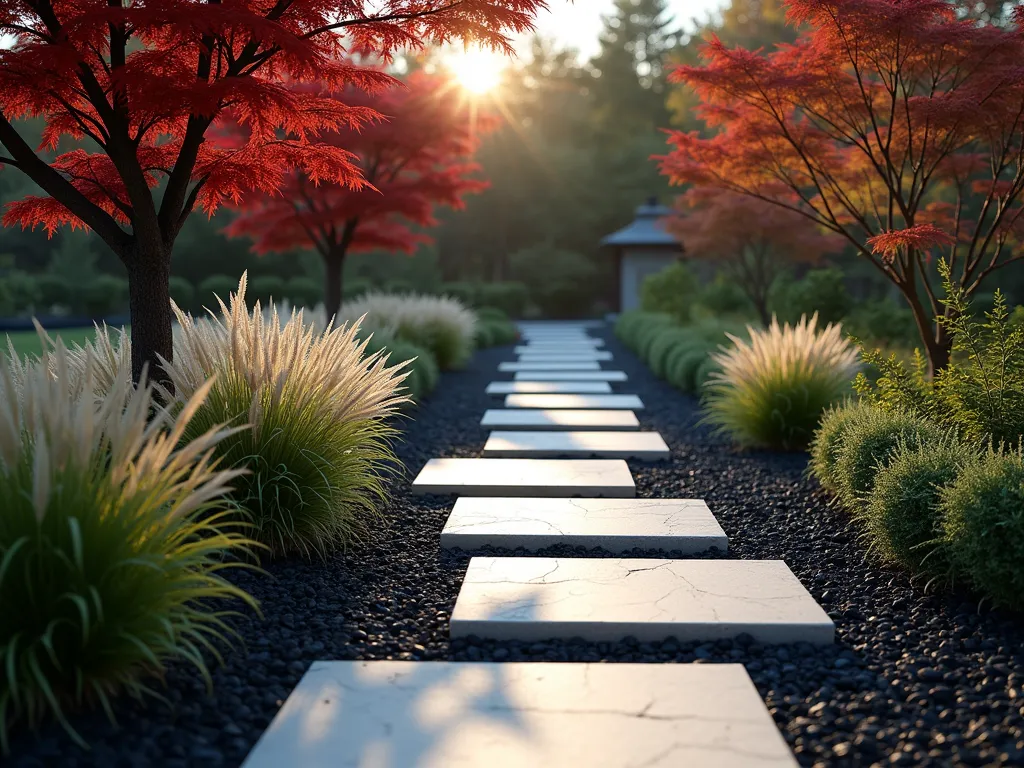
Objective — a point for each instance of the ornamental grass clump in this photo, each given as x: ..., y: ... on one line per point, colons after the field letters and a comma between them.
x: 319, y: 448
x: 113, y: 537
x: 771, y: 391
x: 442, y: 324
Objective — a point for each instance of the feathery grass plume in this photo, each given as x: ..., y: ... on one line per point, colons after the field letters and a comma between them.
x: 771, y: 391
x: 441, y: 324
x: 112, y: 538
x: 319, y: 448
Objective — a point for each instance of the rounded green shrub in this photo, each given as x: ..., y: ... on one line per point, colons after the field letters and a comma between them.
x: 54, y: 291
x: 467, y: 293
x: 722, y: 296
x: 821, y: 291
x: 491, y: 313
x: 671, y: 291
x: 303, y: 292
x: 649, y: 332
x: 828, y: 439
x: 183, y: 293
x: 104, y: 295
x: 683, y: 371
x: 902, y: 512
x: 399, y: 286
x: 215, y: 287
x: 982, y: 515
x: 869, y: 443
x: 704, y: 372
x: 510, y: 297
x: 484, y: 335
x: 114, y: 544
x: 356, y: 288
x: 663, y: 346
x: 423, y: 372
x: 266, y: 289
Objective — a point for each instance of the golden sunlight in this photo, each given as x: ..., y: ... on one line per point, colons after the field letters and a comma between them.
x: 477, y: 70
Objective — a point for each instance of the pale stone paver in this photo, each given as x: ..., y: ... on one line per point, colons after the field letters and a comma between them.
x: 648, y: 446
x: 589, y: 345
x: 433, y: 714
x: 575, y: 402
x: 553, y: 365
x: 526, y: 477
x: 616, y: 376
x: 534, y: 419
x: 617, y: 525
x: 502, y: 388
x: 607, y: 599
x: 564, y: 353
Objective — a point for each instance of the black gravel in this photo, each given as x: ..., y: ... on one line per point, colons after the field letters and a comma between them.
x: 913, y: 679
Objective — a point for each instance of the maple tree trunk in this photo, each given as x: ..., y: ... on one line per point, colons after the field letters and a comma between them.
x: 334, y: 267
x: 149, y: 296
x: 937, y: 344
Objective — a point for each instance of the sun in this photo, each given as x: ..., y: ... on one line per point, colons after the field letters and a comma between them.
x: 477, y: 70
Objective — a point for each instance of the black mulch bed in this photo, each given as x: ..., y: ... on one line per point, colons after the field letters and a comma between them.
x: 913, y: 679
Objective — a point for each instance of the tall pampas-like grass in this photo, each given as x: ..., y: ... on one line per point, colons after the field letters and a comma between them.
x: 318, y: 449
x: 441, y: 324
x: 113, y: 536
x: 772, y: 390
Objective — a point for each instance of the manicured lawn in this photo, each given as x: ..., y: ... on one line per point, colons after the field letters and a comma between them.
x: 28, y: 342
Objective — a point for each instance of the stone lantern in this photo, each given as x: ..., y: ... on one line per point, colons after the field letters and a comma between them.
x: 641, y: 248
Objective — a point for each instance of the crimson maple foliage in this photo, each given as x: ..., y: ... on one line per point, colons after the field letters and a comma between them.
x: 751, y: 239
x: 417, y: 158
x: 141, y: 84
x: 896, y: 124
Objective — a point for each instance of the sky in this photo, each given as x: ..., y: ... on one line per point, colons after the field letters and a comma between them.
x: 577, y: 24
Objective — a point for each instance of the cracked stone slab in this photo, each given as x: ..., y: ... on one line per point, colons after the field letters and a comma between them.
x: 502, y: 388
x: 648, y: 446
x: 564, y: 355
x: 553, y: 365
x: 443, y: 714
x: 526, y: 477
x: 617, y: 525
x: 575, y: 402
x: 571, y: 376
x: 608, y: 599
x: 537, y: 419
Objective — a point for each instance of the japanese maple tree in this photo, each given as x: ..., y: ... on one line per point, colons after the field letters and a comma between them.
x: 417, y: 158
x: 896, y: 124
x: 751, y: 239
x: 140, y: 85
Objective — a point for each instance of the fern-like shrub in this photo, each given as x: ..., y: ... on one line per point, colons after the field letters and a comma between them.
x: 771, y: 391
x: 902, y: 512
x: 442, y: 324
x: 980, y: 394
x: 113, y: 536
x: 868, y: 444
x: 983, y: 525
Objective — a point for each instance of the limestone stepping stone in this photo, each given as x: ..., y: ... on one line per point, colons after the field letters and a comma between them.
x: 617, y: 525
x: 553, y: 365
x: 571, y: 376
x: 503, y: 388
x: 442, y: 714
x: 607, y: 599
x: 565, y: 356
x: 557, y: 401
x: 526, y: 477
x: 589, y: 345
x: 535, y: 419
x: 648, y: 446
